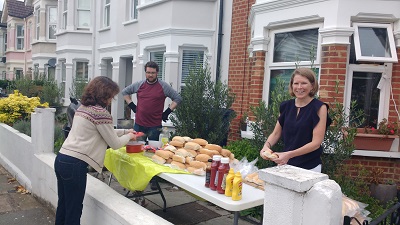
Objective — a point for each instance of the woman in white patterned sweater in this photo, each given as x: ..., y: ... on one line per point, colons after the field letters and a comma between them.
x: 85, y: 145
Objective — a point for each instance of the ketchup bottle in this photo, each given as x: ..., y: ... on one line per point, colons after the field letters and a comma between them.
x: 214, y: 167
x: 223, y: 170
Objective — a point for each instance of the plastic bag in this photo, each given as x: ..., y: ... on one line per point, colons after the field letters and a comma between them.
x: 244, y: 166
x: 353, y: 208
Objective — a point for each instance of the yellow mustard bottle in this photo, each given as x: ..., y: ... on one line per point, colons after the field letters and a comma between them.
x: 229, y: 182
x: 237, y: 187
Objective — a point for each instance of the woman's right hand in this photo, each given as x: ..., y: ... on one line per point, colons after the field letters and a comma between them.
x: 132, y: 136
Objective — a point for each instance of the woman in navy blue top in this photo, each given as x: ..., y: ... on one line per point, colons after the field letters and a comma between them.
x: 302, y: 124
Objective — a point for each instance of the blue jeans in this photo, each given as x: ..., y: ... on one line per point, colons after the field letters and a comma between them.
x: 71, y: 185
x: 152, y: 133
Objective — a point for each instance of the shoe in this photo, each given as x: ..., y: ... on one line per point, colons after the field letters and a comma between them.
x: 153, y: 185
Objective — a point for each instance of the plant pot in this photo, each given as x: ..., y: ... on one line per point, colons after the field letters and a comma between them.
x: 383, y: 192
x: 376, y: 142
x: 243, y: 126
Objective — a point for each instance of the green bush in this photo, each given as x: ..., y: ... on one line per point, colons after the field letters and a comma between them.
x: 23, y: 126
x: 205, y: 108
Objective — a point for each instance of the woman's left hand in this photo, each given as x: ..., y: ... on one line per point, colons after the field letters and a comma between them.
x: 131, y: 131
x: 282, y: 159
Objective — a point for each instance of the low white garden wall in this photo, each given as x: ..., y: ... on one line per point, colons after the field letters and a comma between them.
x: 31, y: 161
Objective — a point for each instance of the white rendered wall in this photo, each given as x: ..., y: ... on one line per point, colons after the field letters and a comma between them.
x: 294, y: 196
x: 31, y: 162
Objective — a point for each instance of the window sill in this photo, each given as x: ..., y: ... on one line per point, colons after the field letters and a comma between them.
x: 381, y: 154
x: 126, y: 23
x: 105, y: 29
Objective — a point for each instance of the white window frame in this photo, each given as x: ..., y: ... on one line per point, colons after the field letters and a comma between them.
x: 63, y: 76
x: 84, y: 68
x: 384, y: 96
x: 161, y: 66
x: 37, y: 20
x: 49, y: 24
x: 106, y: 13
x: 181, y: 84
x: 289, y: 65
x: 392, y: 46
x: 133, y: 9
x: 5, y: 36
x: 82, y: 10
x: 65, y: 14
x: 19, y: 37
x: 29, y: 37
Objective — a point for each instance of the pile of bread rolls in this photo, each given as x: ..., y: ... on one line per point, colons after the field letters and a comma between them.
x: 189, y: 154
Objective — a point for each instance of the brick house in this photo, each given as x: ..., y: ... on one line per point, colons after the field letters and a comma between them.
x: 355, y: 43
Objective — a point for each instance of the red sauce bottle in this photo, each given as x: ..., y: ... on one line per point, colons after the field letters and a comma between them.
x: 214, y: 168
x: 223, y: 170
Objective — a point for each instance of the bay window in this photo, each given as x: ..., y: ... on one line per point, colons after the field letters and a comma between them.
x: 106, y: 13
x: 82, y: 71
x: 37, y: 19
x: 52, y: 23
x: 83, y: 13
x: 20, y: 36
x: 192, y: 60
x: 65, y: 14
x: 158, y: 57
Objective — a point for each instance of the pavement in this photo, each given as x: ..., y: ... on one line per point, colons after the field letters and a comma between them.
x: 183, y: 208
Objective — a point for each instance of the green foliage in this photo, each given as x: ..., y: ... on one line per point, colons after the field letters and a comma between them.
x: 51, y: 93
x: 23, y: 126
x: 205, y: 108
x: 338, y: 143
x: 58, y: 138
x: 247, y: 148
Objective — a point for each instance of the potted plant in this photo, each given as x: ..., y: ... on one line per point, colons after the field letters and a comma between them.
x: 379, y: 139
x: 243, y: 119
x: 381, y: 189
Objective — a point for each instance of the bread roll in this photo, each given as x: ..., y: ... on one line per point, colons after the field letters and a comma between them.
x: 206, y: 151
x: 157, y: 159
x: 179, y: 138
x: 191, y: 153
x: 196, y: 171
x: 177, y: 144
x: 213, y: 147
x: 187, y: 139
x: 225, y: 152
x: 164, y: 154
x: 232, y: 156
x: 200, y: 141
x: 198, y: 164
x: 215, y: 152
x: 178, y: 158
x: 178, y: 165
x: 192, y: 145
x: 182, y: 152
x: 170, y: 148
x: 168, y: 161
x: 188, y: 159
x: 270, y: 155
x: 202, y: 157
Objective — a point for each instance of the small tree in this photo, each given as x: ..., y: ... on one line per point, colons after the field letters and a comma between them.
x: 205, y: 109
x: 78, y: 85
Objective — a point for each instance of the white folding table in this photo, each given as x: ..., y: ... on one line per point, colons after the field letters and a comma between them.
x: 252, y: 196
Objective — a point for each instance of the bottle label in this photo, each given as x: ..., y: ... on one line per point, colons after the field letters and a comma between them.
x: 216, y: 179
x: 240, y: 189
x: 208, y: 177
x: 164, y: 140
x: 223, y: 184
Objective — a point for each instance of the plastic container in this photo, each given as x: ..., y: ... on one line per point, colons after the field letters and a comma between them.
x: 223, y: 170
x: 155, y: 144
x: 237, y: 187
x: 214, y: 168
x: 208, y: 173
x: 164, y: 137
x: 134, y: 147
x: 229, y: 182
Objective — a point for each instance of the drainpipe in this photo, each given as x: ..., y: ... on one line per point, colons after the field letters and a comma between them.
x: 220, y: 34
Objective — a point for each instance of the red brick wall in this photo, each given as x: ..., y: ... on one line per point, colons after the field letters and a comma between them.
x: 396, y: 90
x: 239, y: 61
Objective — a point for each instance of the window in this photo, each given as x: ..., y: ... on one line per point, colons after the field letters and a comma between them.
x: 159, y: 58
x: 291, y: 49
x: 107, y: 13
x: 63, y: 76
x: 20, y: 37
x: 5, y: 42
x: 29, y: 36
x: 37, y: 19
x: 83, y: 12
x: 374, y: 42
x: 64, y: 14
x: 52, y: 23
x: 133, y: 9
x: 369, y: 85
x: 191, y: 60
x: 18, y: 74
x: 82, y: 71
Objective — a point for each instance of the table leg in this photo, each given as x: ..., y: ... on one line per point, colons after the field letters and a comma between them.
x: 236, y: 218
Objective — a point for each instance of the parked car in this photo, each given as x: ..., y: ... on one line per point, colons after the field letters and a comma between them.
x: 3, y: 95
